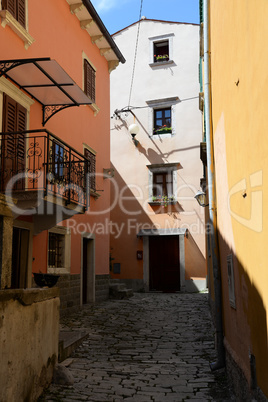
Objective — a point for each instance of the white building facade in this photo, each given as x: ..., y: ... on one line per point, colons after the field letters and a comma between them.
x: 158, y: 232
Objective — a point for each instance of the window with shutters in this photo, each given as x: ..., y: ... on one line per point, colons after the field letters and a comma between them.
x: 17, y: 9
x: 14, y: 14
x: 13, y: 144
x: 90, y: 81
x: 92, y: 167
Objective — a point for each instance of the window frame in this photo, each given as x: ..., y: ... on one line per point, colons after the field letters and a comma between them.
x: 153, y: 41
x: 158, y: 104
x: 65, y: 269
x: 162, y: 55
x: 167, y: 168
x: 165, y: 128
x: 93, y: 105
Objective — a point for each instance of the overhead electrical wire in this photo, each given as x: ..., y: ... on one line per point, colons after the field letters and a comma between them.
x: 135, y: 55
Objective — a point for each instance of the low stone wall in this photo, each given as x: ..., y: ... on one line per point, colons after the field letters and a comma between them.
x: 101, y: 287
x: 70, y: 288
x: 29, y: 336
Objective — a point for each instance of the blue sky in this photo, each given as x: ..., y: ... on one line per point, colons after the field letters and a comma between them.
x: 117, y: 14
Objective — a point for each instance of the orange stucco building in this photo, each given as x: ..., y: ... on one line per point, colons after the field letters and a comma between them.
x: 56, y: 59
x: 70, y: 51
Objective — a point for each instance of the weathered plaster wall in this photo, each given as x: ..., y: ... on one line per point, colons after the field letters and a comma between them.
x: 29, y: 334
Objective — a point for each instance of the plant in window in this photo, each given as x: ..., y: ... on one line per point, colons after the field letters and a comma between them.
x: 161, y: 57
x: 164, y: 200
x: 163, y: 130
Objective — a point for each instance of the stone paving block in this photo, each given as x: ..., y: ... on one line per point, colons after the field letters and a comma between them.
x: 152, y: 347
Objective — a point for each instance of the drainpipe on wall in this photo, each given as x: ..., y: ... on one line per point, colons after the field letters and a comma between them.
x: 212, y: 198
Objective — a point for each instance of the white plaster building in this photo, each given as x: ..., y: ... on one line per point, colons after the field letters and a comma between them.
x: 158, y: 235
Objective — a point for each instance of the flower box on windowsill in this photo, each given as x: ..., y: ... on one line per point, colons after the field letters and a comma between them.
x: 164, y: 201
x: 163, y: 130
x: 161, y: 63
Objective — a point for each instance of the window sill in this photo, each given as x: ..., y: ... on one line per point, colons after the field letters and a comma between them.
x: 58, y: 271
x: 95, y: 108
x: 160, y: 136
x: 161, y: 63
x: 8, y: 19
x: 94, y: 194
x: 155, y: 203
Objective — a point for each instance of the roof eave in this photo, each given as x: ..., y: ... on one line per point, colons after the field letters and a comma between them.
x: 89, y: 6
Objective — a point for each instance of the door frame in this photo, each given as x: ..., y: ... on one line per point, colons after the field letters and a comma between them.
x: 162, y: 232
x: 90, y: 237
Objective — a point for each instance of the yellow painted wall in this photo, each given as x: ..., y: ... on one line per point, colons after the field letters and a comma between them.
x: 239, y: 79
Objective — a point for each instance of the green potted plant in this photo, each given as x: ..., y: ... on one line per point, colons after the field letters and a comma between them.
x: 161, y: 57
x: 164, y: 200
x: 163, y: 130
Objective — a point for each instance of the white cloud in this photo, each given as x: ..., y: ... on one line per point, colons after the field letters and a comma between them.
x: 106, y: 5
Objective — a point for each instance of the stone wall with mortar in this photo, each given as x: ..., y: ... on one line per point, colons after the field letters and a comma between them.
x: 102, y: 287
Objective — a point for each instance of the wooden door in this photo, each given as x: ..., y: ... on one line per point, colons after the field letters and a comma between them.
x: 164, y: 263
x: 13, y: 145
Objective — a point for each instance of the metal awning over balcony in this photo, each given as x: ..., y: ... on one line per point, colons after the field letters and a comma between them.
x: 46, y: 81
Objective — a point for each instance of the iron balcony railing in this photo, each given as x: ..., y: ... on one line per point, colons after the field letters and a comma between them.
x: 38, y: 160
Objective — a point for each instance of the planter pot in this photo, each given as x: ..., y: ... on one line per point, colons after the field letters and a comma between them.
x: 43, y: 280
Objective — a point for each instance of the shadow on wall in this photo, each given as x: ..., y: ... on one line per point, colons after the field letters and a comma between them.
x: 128, y: 217
x: 245, y: 328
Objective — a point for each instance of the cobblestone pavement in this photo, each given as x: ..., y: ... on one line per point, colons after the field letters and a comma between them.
x: 152, y: 347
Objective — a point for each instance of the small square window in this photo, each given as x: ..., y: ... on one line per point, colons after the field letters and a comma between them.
x: 161, y: 51
x: 162, y: 121
x: 162, y: 184
x: 56, y: 250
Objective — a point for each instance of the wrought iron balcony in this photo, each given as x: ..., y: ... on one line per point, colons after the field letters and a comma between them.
x: 38, y: 160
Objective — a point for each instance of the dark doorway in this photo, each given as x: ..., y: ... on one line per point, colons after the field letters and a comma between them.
x: 20, y: 246
x: 164, y: 263
x: 85, y: 271
x: 88, y: 271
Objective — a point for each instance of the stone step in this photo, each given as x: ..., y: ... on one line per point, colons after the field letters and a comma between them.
x: 69, y: 341
x: 119, y: 291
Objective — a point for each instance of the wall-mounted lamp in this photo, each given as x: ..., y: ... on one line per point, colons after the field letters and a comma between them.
x: 201, y: 198
x: 134, y: 129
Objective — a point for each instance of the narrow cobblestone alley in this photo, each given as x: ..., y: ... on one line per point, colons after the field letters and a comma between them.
x: 152, y: 347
